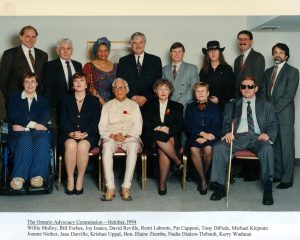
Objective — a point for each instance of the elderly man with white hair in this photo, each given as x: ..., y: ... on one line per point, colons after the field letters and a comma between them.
x: 120, y: 126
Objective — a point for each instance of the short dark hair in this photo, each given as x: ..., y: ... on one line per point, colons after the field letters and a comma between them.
x: 249, y: 78
x: 283, y: 47
x: 29, y: 75
x: 250, y: 35
x: 22, y: 31
x: 177, y: 45
x: 161, y: 82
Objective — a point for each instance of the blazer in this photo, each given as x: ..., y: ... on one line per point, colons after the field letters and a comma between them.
x: 284, y: 92
x: 54, y: 81
x: 265, y: 115
x: 18, y: 112
x: 186, y: 77
x: 14, y: 64
x: 173, y: 120
x: 85, y: 121
x: 253, y: 66
x: 140, y: 84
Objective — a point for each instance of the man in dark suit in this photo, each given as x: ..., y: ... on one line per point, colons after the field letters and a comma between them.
x: 280, y: 86
x: 140, y: 70
x: 255, y: 129
x: 58, y: 72
x: 19, y: 60
x: 249, y: 63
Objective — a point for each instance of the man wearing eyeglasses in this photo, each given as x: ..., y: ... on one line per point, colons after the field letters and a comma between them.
x: 255, y: 129
x: 120, y: 126
x: 280, y: 87
x: 249, y: 63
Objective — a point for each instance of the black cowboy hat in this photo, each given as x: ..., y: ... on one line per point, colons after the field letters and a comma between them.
x: 212, y: 45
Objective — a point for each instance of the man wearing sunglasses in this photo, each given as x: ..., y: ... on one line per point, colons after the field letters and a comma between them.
x: 280, y: 87
x: 255, y: 129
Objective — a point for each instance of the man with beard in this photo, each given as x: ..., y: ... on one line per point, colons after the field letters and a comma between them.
x: 280, y: 86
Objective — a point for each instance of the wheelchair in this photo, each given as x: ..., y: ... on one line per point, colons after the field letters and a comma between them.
x: 6, y: 164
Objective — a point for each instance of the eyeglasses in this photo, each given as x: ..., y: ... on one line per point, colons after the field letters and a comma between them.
x: 247, y: 86
x: 121, y: 88
x: 243, y: 39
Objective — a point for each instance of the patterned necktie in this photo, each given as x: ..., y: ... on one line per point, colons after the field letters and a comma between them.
x: 251, y: 129
x: 242, y: 61
x: 273, y: 78
x: 31, y: 58
x: 69, y: 75
x: 138, y: 65
x: 174, y: 71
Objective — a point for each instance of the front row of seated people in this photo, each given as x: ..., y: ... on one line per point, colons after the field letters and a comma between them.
x: 120, y: 126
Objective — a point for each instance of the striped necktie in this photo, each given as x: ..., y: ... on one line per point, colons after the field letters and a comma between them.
x: 251, y: 129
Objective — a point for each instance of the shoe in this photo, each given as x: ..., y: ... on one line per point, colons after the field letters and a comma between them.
x: 202, y: 191
x: 17, y: 183
x: 125, y: 194
x: 213, y: 186
x: 179, y: 167
x: 78, y: 192
x: 68, y: 192
x: 283, y: 185
x: 217, y: 195
x: 36, y: 181
x: 108, y: 196
x: 162, y: 192
x: 275, y: 180
x: 268, y: 198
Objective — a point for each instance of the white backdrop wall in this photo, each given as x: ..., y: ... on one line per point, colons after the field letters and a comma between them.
x: 161, y: 32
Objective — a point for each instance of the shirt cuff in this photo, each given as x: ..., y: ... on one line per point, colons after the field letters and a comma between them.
x: 31, y: 124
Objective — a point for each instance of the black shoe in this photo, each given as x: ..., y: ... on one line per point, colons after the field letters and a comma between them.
x: 268, y: 198
x: 217, y: 195
x: 213, y: 186
x: 162, y: 192
x: 78, y: 192
x: 179, y: 168
x: 275, y: 180
x: 284, y: 185
x: 202, y: 191
x: 68, y: 192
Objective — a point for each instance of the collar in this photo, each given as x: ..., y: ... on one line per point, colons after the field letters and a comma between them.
x: 246, y: 53
x: 177, y: 65
x: 24, y: 96
x: 252, y: 100
x: 26, y: 49
x: 64, y: 61
x: 141, y: 56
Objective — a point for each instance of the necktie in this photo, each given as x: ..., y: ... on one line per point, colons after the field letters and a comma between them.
x: 138, y: 65
x: 251, y: 129
x: 273, y: 78
x: 69, y: 75
x: 31, y: 58
x: 174, y: 71
x: 242, y: 61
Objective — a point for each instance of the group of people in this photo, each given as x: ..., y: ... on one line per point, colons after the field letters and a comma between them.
x: 173, y: 108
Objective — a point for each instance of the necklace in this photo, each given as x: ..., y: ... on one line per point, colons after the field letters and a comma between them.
x: 79, y: 100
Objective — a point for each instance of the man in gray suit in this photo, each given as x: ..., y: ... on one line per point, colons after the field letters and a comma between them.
x: 249, y: 63
x: 255, y: 129
x: 280, y: 87
x: 182, y: 75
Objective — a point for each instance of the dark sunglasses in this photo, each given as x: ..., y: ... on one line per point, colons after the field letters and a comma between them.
x: 247, y: 86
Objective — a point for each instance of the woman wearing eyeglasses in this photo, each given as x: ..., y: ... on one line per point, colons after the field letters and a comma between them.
x: 203, y: 124
x: 218, y: 74
x: 29, y: 138
x: 79, y: 118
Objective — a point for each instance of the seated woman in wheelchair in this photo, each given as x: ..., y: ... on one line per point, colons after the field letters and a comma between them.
x: 79, y: 118
x: 203, y: 123
x: 163, y: 120
x: 29, y: 139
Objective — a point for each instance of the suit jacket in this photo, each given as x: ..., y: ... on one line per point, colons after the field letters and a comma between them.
x: 14, y: 64
x: 85, y: 121
x: 54, y: 81
x: 173, y: 120
x: 140, y: 84
x: 186, y: 77
x: 265, y: 115
x: 18, y: 112
x: 284, y: 92
x: 253, y: 66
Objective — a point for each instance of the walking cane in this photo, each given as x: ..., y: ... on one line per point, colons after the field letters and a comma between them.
x: 230, y: 153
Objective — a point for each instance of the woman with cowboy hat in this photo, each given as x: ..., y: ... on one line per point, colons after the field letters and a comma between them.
x: 218, y: 74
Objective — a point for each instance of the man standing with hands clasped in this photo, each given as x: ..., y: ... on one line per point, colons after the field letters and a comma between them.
x: 280, y: 87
